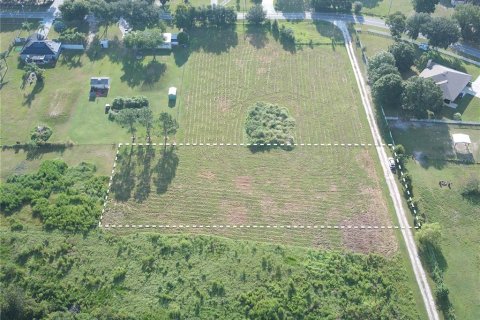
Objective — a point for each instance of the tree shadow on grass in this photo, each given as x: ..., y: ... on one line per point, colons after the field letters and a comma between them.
x: 124, y: 179
x: 37, y: 88
x: 329, y: 30
x: 135, y: 73
x: 71, y: 59
x: 213, y: 40
x: 180, y: 55
x: 34, y: 152
x: 166, y: 169
x: 257, y: 36
x: 143, y: 187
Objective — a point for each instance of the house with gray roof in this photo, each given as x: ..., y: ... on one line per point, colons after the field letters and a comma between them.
x: 40, y: 51
x: 451, y: 82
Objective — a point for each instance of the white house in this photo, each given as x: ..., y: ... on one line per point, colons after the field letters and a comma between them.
x: 169, y: 40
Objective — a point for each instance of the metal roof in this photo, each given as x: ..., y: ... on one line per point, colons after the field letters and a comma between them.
x: 41, y: 47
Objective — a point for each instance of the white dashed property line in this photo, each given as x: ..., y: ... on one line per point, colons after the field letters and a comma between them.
x: 214, y: 144
x: 248, y: 226
x: 110, y: 181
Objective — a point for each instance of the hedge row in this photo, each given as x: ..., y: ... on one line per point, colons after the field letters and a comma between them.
x: 135, y: 102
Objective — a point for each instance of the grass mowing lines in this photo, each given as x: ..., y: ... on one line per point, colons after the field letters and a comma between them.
x: 232, y: 186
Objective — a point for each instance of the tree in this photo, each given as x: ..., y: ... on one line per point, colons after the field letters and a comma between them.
x: 74, y: 10
x: 396, y: 23
x: 105, y: 12
x: 184, y: 17
x: 420, y: 95
x: 27, y: 26
x: 441, y: 32
x: 149, y: 39
x: 468, y: 17
x: 387, y: 91
x: 427, y: 6
x: 4, y: 65
x: 430, y: 236
x: 415, y: 22
x: 145, y: 118
x: 357, y: 7
x: 32, y: 72
x: 128, y: 118
x: 140, y: 14
x: 404, y: 54
x: 256, y: 14
x: 40, y: 134
x: 381, y: 58
x: 168, y: 126
x: 382, y: 70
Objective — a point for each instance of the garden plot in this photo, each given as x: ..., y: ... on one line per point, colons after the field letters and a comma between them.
x: 316, y: 85
x: 308, y: 186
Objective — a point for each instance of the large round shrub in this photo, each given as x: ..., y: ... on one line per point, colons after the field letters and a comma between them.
x: 59, y: 26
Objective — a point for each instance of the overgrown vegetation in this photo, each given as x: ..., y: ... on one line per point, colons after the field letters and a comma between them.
x: 183, y: 277
x: 269, y: 124
x: 135, y: 102
x: 187, y: 16
x: 63, y: 198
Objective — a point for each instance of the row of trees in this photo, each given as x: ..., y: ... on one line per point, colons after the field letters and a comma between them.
x: 332, y: 5
x: 417, y: 96
x: 187, y: 16
x: 140, y: 14
x: 130, y: 118
x: 440, y: 31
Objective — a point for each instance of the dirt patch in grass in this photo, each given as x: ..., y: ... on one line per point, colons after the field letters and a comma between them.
x: 57, y: 104
x: 235, y: 212
x: 365, y: 161
x: 244, y: 184
x: 381, y: 241
x: 223, y: 104
x: 207, y: 175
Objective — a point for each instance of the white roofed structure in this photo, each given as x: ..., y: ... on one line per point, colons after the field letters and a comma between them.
x: 450, y: 81
x: 461, y: 138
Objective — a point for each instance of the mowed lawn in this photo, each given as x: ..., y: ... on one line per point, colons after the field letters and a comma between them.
x: 233, y: 186
x: 316, y: 85
x: 219, y: 76
x: 457, y: 215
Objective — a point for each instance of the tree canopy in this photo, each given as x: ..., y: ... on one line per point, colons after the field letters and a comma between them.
x: 468, y: 17
x: 421, y: 95
x: 41, y: 134
x: 404, y: 54
x: 383, y: 69
x: 396, y: 23
x: 74, y: 10
x: 427, y: 6
x: 168, y: 126
x: 149, y: 39
x: 256, y: 14
x: 387, y: 91
x: 441, y: 32
x: 382, y: 57
x: 415, y: 22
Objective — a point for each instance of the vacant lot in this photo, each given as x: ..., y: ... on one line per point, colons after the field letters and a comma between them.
x: 232, y: 185
x: 458, y: 216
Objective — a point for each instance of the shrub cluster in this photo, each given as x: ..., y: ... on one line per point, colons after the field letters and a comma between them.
x: 187, y: 16
x: 78, y: 195
x: 269, y: 124
x: 72, y: 36
x: 135, y: 102
x: 287, y: 34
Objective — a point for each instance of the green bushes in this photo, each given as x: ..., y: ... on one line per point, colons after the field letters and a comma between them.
x: 269, y: 124
x: 135, y: 102
x: 41, y: 134
x: 287, y: 35
x: 187, y: 16
x: 78, y: 195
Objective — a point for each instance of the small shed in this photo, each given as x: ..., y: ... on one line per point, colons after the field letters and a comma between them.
x: 461, y: 138
x: 100, y: 83
x: 104, y: 43
x: 172, y: 93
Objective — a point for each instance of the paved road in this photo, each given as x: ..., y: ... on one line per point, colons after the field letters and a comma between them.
x: 390, y: 179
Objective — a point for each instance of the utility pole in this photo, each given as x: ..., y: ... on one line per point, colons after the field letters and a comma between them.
x: 390, y: 7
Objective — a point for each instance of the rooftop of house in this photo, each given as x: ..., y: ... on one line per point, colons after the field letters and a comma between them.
x: 97, y: 81
x: 41, y: 48
x: 450, y: 81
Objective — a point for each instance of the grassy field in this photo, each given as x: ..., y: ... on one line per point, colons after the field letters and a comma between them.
x: 232, y: 185
x: 218, y: 88
x: 217, y: 79
x: 154, y: 276
x: 12, y: 28
x: 383, y: 7
x: 457, y: 215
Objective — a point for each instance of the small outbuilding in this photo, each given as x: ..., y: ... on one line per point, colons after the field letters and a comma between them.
x: 99, y: 86
x: 461, y: 138
x: 172, y: 93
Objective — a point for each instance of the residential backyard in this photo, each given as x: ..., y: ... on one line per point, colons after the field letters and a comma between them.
x: 431, y: 147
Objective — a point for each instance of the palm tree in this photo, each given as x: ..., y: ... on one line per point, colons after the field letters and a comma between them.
x: 27, y: 26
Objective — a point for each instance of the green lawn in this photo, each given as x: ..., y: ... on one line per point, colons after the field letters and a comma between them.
x: 12, y: 28
x: 457, y: 215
